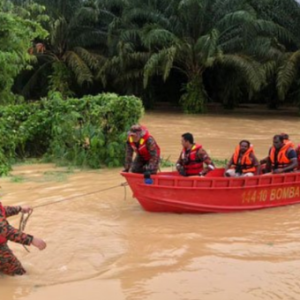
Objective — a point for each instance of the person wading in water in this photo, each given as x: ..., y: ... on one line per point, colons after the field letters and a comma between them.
x: 9, y: 264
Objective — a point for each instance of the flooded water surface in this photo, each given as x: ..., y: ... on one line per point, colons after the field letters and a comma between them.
x: 104, y: 246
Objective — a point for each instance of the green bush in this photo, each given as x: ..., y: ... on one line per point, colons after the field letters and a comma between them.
x: 84, y: 132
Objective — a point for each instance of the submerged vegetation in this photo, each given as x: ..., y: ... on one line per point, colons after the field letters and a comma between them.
x: 83, y: 132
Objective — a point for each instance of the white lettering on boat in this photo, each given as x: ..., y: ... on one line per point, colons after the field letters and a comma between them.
x: 283, y: 193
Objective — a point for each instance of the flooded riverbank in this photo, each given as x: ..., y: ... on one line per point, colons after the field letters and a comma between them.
x: 101, y: 245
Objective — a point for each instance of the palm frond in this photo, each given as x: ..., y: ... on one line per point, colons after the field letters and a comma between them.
x: 270, y: 68
x: 89, y: 58
x: 34, y: 78
x: 157, y: 37
x: 59, y: 32
x: 159, y: 63
x: 287, y: 73
x: 81, y: 70
x: 87, y: 36
x: 207, y: 45
x: 221, y: 8
x: 248, y: 69
x: 234, y: 19
x: 131, y: 35
x: 269, y: 28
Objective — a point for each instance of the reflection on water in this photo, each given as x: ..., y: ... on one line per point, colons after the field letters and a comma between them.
x: 100, y: 245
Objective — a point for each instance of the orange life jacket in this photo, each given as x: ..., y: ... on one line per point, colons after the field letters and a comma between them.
x: 245, y: 164
x: 3, y: 239
x: 192, y: 165
x: 298, y: 155
x: 288, y: 142
x: 141, y: 149
x: 282, y: 160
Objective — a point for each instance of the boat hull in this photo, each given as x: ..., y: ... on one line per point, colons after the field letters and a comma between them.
x: 214, y: 194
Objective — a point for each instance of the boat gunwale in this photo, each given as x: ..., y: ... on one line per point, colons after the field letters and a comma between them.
x: 218, y: 188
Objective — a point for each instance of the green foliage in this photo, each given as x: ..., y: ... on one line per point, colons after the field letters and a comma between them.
x: 165, y: 162
x: 16, y: 35
x: 156, y: 37
x: 249, y: 48
x: 195, y: 97
x: 60, y: 79
x: 72, y: 30
x: 85, y: 132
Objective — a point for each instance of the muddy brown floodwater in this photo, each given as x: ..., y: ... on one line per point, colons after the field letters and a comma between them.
x: 101, y: 246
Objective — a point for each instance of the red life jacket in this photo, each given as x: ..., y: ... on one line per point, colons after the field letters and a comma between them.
x: 245, y: 164
x: 141, y: 149
x: 282, y: 159
x: 3, y: 240
x: 192, y: 166
x: 298, y: 155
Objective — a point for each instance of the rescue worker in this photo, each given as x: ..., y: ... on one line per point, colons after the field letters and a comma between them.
x: 192, y: 158
x: 263, y: 162
x: 282, y: 157
x: 146, y: 149
x: 9, y: 264
x: 243, y: 162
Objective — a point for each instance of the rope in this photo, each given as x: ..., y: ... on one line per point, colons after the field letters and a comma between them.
x: 23, y: 221
x: 82, y: 195
x: 25, y: 217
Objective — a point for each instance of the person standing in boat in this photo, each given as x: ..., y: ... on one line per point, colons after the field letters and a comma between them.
x: 9, y: 264
x: 192, y: 158
x: 282, y: 157
x: 147, y: 151
x: 243, y: 162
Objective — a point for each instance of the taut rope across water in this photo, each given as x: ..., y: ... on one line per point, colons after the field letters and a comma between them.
x: 25, y: 217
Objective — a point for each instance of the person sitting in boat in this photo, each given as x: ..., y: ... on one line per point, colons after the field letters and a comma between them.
x: 243, y: 162
x: 263, y: 162
x: 147, y: 151
x: 192, y: 158
x: 286, y: 139
x: 9, y: 264
x: 282, y: 157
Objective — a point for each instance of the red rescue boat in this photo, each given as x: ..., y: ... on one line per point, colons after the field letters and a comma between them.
x: 214, y: 193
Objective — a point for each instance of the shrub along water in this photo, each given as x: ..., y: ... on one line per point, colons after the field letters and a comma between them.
x: 90, y: 131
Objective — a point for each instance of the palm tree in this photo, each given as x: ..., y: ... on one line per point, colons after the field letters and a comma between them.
x: 286, y: 70
x: 191, y: 36
x: 66, y: 54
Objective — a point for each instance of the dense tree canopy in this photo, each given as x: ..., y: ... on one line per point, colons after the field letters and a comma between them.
x: 17, y: 31
x: 224, y: 51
